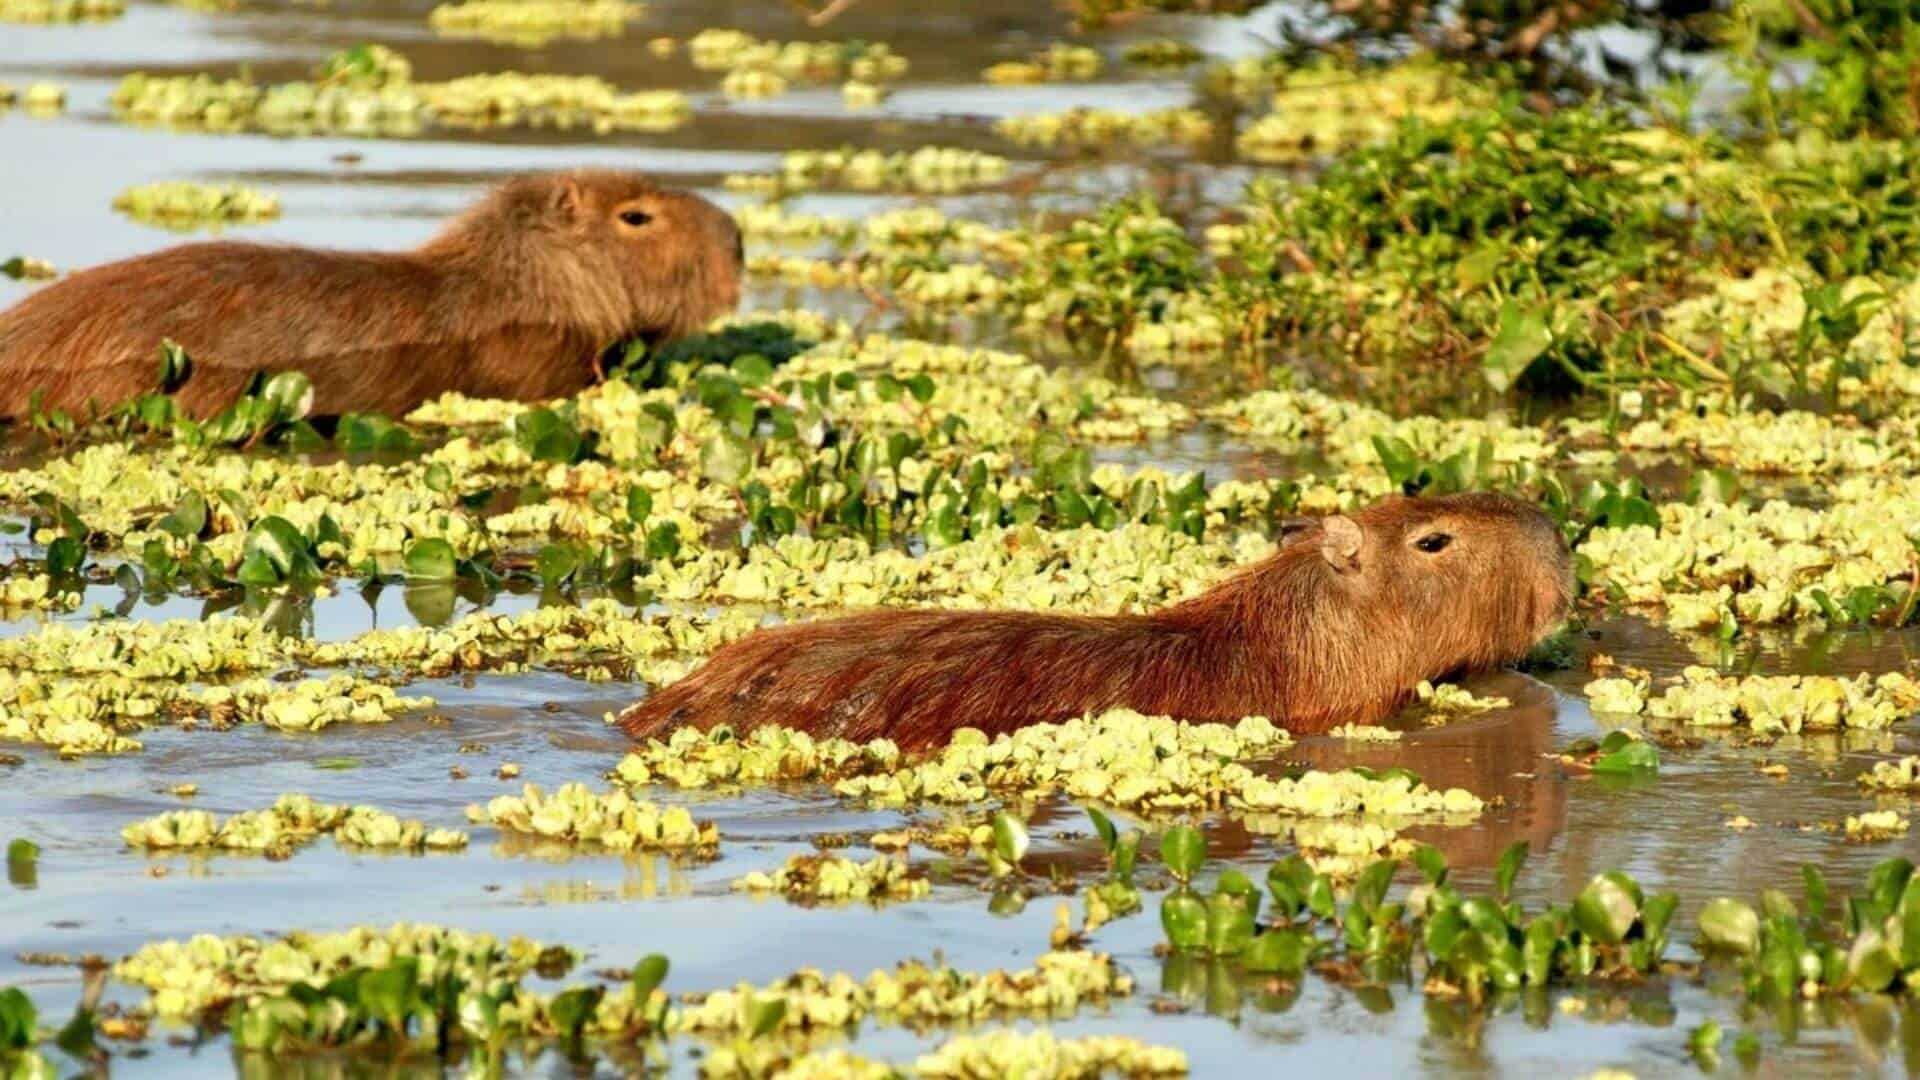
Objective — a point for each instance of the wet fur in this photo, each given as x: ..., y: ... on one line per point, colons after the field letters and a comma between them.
x: 1296, y: 638
x: 514, y: 299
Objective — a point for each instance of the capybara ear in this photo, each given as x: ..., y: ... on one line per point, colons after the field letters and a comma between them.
x: 569, y: 201
x: 1340, y: 543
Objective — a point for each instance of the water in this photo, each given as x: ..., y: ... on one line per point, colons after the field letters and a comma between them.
x: 92, y: 896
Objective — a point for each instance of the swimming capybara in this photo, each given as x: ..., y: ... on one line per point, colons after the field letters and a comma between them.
x: 1338, y: 625
x: 515, y: 298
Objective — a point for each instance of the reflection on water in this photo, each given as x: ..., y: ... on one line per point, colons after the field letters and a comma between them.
x: 89, y: 895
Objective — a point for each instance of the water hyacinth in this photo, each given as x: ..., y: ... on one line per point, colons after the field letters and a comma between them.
x: 60, y: 11
x: 1875, y: 826
x: 1768, y: 704
x: 614, y: 820
x: 1120, y: 758
x: 1396, y: 794
x: 913, y: 994
x: 813, y: 878
x: 521, y: 22
x: 1898, y: 776
x: 187, y: 978
x: 1103, y: 128
x: 931, y: 169
x: 291, y: 821
x: 1322, y: 111
x: 185, y: 205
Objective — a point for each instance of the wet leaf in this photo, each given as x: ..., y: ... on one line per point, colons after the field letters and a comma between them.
x: 186, y: 520
x: 764, y: 1014
x: 1606, y: 909
x: 1431, y: 863
x: 1508, y: 868
x: 1283, y: 951
x: 1103, y: 827
x: 1009, y: 838
x: 648, y: 974
x: 431, y: 559
x: 1230, y: 926
x: 1184, y: 918
x: 23, y: 863
x: 1184, y: 850
x: 1636, y: 756
x: 1519, y: 339
x: 1727, y: 923
x: 291, y: 395
x: 18, y: 1020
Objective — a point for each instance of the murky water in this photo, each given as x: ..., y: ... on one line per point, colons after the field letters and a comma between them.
x: 92, y: 896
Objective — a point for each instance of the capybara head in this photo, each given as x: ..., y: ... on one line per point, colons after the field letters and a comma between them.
x: 1455, y: 582
x: 671, y: 259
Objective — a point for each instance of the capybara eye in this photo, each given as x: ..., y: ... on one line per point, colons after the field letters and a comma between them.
x: 635, y: 217
x: 1432, y: 542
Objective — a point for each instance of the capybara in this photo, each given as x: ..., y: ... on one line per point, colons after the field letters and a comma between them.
x: 1338, y: 625
x: 515, y: 298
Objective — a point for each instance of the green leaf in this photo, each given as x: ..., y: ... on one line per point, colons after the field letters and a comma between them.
x: 726, y: 458
x: 388, y: 993
x: 1636, y: 756
x: 284, y: 548
x: 1124, y: 854
x: 19, y: 1023
x: 23, y: 863
x: 1519, y: 339
x: 1431, y: 863
x: 65, y: 557
x: 639, y: 504
x: 1230, y: 925
x: 1184, y: 850
x: 1010, y: 839
x: 555, y: 563
x: 648, y: 974
x: 1443, y: 934
x: 1606, y: 909
x: 188, y: 519
x: 1370, y: 887
x: 1815, y: 884
x: 337, y: 763
x: 431, y: 559
x: 256, y: 568
x: 1283, y: 951
x: 291, y: 395
x: 1103, y: 826
x: 1508, y: 868
x: 764, y: 1014
x: 175, y: 366
x: 546, y: 435
x: 1726, y: 923
x: 1184, y: 918
x: 1718, y: 486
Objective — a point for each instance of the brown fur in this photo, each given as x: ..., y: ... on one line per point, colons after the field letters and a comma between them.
x: 1339, y: 625
x: 515, y: 298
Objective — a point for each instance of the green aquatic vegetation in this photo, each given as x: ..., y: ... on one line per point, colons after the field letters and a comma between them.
x: 1768, y: 704
x: 23, y: 863
x: 913, y: 994
x: 1106, y: 272
x: 518, y: 22
x: 1105, y: 129
x: 281, y: 829
x: 929, y: 169
x: 1471, y: 946
x: 1162, y: 53
x: 614, y: 820
x: 370, y: 91
x: 1858, y: 942
x: 1322, y: 110
x: 996, y: 1053
x: 186, y: 205
x: 191, y: 979
x: 720, y: 49
x: 1894, y: 777
x: 1058, y: 62
x: 26, y: 267
x: 60, y: 11
x: 834, y: 878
